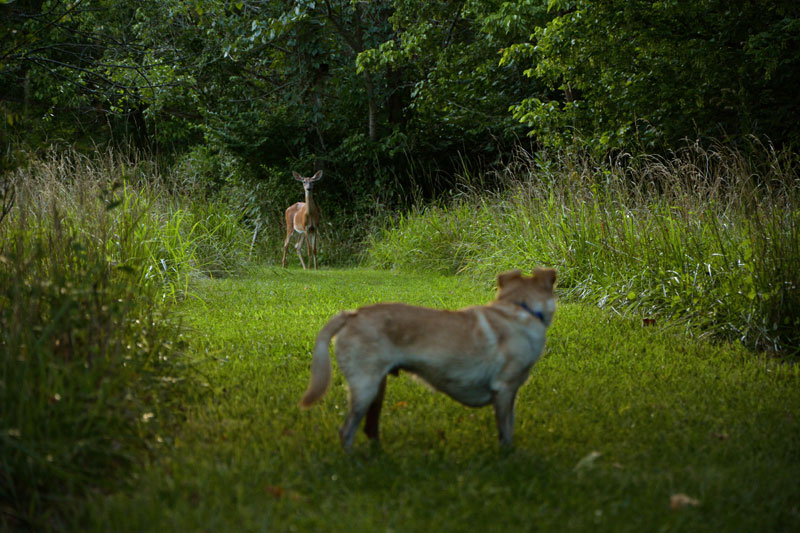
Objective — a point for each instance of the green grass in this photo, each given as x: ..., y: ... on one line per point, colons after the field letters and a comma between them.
x: 665, y: 414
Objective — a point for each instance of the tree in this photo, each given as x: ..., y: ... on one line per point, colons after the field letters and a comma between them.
x: 642, y: 73
x: 74, y: 64
x: 355, y: 86
x: 456, y: 93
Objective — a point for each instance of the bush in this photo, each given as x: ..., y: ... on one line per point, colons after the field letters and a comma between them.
x: 91, y: 356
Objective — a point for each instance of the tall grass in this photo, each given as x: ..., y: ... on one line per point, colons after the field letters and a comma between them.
x: 90, y: 251
x: 139, y: 218
x: 710, y: 237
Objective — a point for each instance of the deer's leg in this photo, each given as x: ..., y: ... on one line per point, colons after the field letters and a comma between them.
x: 311, y: 246
x: 297, y: 249
x: 285, y: 245
x: 289, y: 232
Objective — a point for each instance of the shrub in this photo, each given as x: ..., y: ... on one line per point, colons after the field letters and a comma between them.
x: 91, y: 356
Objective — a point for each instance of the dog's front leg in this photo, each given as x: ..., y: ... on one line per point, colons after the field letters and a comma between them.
x: 347, y: 433
x: 504, y: 414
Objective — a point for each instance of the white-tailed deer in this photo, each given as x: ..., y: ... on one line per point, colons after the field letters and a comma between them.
x: 303, y: 218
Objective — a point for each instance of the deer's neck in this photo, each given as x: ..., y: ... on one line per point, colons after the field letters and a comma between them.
x: 312, y: 207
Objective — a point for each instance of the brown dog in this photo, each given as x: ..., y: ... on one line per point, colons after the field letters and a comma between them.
x: 477, y: 355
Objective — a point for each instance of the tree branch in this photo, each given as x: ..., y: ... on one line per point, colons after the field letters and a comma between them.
x: 47, y: 25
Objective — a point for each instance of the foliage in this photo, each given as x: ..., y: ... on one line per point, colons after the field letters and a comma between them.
x: 277, y: 86
x: 375, y: 91
x: 92, y: 361
x: 271, y: 81
x: 646, y: 74
x: 314, y: 83
x: 614, y: 420
x: 73, y: 71
x: 447, y: 55
x: 710, y: 237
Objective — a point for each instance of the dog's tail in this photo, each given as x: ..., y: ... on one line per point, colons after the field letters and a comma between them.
x: 321, y: 360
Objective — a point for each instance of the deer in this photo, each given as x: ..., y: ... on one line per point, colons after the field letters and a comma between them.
x: 303, y: 218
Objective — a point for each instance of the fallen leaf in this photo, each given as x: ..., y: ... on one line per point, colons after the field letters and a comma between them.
x: 680, y: 500
x: 275, y: 492
x: 280, y: 492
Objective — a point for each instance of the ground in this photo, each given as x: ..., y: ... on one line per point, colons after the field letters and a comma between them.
x: 615, y: 421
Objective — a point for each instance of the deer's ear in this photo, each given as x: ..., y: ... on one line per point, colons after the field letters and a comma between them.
x: 317, y: 176
x: 297, y: 176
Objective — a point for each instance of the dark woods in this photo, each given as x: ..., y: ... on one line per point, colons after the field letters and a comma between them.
x: 390, y: 98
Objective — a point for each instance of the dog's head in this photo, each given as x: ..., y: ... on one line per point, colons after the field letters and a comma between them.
x: 534, y: 293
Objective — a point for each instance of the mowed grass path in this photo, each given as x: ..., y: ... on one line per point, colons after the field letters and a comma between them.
x: 615, y: 419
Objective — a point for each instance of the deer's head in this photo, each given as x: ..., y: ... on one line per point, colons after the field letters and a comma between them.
x: 308, y: 182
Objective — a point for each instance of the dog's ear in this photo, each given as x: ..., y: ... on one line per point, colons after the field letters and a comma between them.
x: 504, y: 277
x: 546, y: 277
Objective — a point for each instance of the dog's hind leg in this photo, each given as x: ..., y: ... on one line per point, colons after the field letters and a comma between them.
x: 363, y: 391
x: 374, y: 412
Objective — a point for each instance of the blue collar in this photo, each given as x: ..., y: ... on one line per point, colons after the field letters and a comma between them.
x: 536, y: 314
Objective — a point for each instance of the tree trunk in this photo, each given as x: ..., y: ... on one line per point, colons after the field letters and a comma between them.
x: 372, y: 110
